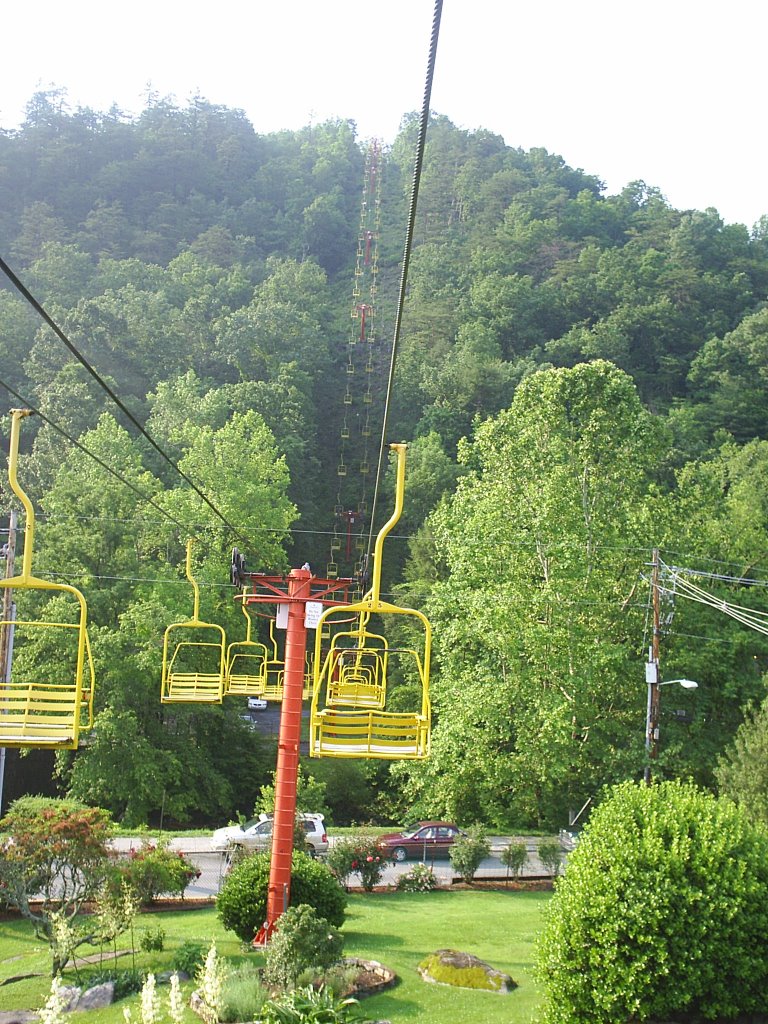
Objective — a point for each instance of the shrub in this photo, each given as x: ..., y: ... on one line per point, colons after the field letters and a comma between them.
x: 663, y: 912
x: 189, y: 958
x: 551, y: 855
x: 153, y: 940
x: 419, y: 879
x: 514, y: 858
x: 310, y: 1004
x: 468, y: 851
x: 341, y: 856
x: 243, y: 994
x: 242, y: 900
x: 302, y: 940
x: 127, y: 981
x: 153, y: 871
x: 357, y: 855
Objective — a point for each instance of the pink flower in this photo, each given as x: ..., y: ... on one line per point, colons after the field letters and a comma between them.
x: 369, y: 859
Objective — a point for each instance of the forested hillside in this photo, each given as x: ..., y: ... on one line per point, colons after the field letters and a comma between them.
x: 580, y: 377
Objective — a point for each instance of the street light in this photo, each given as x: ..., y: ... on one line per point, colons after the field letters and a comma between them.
x: 652, y: 713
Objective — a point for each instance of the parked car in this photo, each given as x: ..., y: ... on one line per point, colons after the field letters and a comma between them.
x: 257, y: 704
x: 425, y: 840
x: 256, y: 834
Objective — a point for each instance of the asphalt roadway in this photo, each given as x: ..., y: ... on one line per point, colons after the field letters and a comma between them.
x: 213, y: 865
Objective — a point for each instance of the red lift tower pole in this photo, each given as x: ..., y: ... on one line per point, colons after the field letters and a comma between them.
x: 302, y: 587
x: 279, y: 891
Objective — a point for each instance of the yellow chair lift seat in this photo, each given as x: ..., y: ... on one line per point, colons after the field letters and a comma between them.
x: 391, y: 735
x: 46, y: 714
x: 246, y: 670
x: 196, y: 671
x: 246, y: 664
x: 189, y: 685
x: 353, y: 723
x: 274, y: 672
x: 34, y: 713
x: 359, y: 673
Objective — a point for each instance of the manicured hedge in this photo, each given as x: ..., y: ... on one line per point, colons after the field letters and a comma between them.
x: 662, y: 912
x: 242, y: 900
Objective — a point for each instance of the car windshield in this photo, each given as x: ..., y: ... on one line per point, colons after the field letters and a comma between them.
x: 249, y: 824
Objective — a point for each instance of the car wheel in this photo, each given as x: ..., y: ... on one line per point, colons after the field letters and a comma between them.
x: 399, y: 854
x: 309, y: 848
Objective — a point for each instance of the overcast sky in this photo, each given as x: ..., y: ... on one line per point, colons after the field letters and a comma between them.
x: 669, y: 92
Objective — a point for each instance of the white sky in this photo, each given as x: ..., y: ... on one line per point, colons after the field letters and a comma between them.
x: 668, y: 91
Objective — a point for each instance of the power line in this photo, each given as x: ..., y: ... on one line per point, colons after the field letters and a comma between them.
x: 37, y: 306
x: 744, y: 581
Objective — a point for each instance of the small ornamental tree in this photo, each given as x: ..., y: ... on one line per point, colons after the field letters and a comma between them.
x: 242, y: 899
x: 55, y: 852
x: 514, y: 858
x: 663, y: 912
x: 551, y: 856
x: 468, y: 851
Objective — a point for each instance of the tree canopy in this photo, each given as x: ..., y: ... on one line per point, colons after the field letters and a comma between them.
x: 580, y: 378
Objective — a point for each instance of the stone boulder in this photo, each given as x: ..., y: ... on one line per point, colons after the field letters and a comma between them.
x: 463, y: 970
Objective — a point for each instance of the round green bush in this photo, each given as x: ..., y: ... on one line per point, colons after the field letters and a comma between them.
x: 242, y: 899
x: 662, y: 911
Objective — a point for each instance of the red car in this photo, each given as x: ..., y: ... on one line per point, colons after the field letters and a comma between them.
x: 425, y: 840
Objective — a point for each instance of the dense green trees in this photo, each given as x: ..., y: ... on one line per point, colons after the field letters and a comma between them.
x: 604, y: 355
x: 543, y: 544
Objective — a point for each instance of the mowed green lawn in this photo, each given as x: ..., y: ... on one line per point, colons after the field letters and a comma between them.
x: 398, y: 929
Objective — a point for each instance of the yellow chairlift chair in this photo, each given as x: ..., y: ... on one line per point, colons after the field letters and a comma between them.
x: 43, y: 712
x: 352, y: 731
x: 246, y: 673
x: 194, y: 671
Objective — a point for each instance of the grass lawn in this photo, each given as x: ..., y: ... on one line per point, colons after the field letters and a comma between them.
x: 398, y: 929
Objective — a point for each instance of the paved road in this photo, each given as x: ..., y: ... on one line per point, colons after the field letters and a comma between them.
x: 213, y: 866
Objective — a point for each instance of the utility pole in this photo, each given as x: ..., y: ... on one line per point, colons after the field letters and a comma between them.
x: 652, y: 671
x: 6, y: 631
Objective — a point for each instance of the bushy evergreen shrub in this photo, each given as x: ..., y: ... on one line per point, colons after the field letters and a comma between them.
x: 242, y: 900
x: 663, y: 912
x: 302, y: 940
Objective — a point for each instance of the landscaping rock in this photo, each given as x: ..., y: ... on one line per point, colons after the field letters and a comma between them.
x: 69, y: 996
x: 372, y: 978
x: 18, y: 1016
x: 463, y: 970
x: 97, y: 997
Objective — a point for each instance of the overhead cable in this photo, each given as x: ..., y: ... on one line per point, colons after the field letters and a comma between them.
x: 90, y: 454
x: 115, y: 398
x: 419, y: 160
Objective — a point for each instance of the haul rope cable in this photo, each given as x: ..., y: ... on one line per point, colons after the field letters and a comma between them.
x: 37, y: 306
x: 418, y: 162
